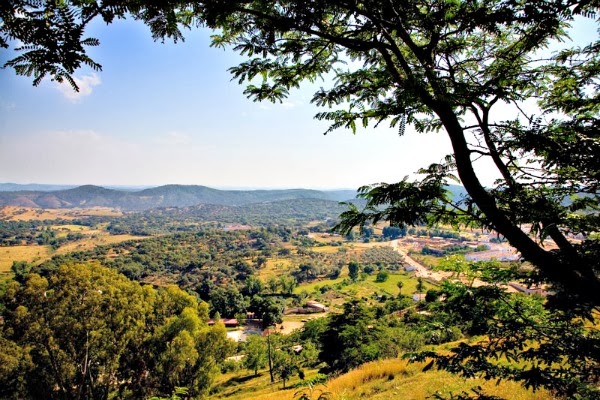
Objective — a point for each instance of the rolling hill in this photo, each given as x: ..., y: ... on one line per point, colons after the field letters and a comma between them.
x: 163, y: 196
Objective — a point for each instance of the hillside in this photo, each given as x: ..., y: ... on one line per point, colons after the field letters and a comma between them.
x: 163, y: 196
x: 380, y: 380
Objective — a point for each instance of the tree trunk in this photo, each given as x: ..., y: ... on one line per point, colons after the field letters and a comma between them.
x: 575, y: 279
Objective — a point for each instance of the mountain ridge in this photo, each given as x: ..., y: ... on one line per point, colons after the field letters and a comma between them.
x: 87, y: 196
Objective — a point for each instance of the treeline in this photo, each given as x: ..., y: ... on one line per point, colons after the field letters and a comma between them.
x: 86, y: 332
x: 453, y: 249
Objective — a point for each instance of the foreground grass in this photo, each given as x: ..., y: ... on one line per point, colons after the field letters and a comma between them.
x: 243, y: 385
x: 395, y: 379
x: 380, y: 380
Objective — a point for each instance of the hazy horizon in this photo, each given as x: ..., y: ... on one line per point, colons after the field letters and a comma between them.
x: 141, y: 187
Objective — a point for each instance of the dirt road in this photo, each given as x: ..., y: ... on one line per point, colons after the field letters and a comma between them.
x: 420, y: 269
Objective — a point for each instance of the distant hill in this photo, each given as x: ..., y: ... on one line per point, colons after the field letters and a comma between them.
x: 457, y: 191
x: 163, y: 196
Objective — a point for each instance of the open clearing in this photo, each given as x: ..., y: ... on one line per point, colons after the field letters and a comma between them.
x: 12, y: 213
x: 37, y: 254
x: 31, y: 254
x: 91, y: 242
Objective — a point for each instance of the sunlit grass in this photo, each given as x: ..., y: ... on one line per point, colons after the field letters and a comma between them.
x: 89, y: 243
x: 242, y: 385
x: 31, y: 254
x: 380, y: 380
x: 275, y: 267
x: 395, y: 379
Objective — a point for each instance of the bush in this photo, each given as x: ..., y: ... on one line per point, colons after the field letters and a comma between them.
x: 382, y: 276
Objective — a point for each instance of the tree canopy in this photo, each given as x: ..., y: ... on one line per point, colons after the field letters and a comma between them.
x: 87, y: 332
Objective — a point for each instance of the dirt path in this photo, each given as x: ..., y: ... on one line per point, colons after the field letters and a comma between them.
x: 420, y: 269
x: 423, y: 271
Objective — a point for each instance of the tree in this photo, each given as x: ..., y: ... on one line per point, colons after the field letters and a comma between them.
x: 288, y: 284
x: 382, y: 276
x: 542, y: 347
x: 420, y: 285
x: 400, y: 285
x: 268, y: 309
x: 353, y: 269
x: 21, y: 269
x: 85, y: 331
x: 256, y: 353
x: 353, y: 338
x: 71, y: 329
x: 227, y: 301
x: 252, y: 286
x: 284, y: 365
x: 393, y: 232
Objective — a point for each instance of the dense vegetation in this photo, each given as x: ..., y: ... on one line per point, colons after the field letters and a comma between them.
x: 85, y: 331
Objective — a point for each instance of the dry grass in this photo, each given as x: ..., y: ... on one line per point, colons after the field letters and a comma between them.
x: 380, y: 380
x: 72, y: 228
x: 37, y: 254
x: 89, y: 243
x: 13, y: 213
x: 395, y: 379
x: 31, y: 254
x: 274, y: 268
x: 326, y: 237
x: 327, y: 249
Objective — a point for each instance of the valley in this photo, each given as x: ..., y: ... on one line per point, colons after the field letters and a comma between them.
x: 275, y: 271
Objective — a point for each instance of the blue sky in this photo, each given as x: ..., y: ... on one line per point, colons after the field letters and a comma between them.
x: 169, y: 113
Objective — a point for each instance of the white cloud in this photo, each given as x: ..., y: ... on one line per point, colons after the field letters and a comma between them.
x: 85, y: 84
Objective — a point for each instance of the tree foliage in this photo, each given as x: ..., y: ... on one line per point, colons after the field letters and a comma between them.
x: 256, y: 353
x: 86, y: 331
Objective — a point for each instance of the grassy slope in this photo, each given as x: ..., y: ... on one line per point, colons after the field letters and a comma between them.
x: 33, y: 253
x: 388, y: 379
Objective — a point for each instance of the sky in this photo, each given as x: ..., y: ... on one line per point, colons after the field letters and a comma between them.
x: 169, y: 114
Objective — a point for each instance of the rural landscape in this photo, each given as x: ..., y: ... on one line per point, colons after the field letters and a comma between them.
x: 256, y: 300
x: 300, y: 199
